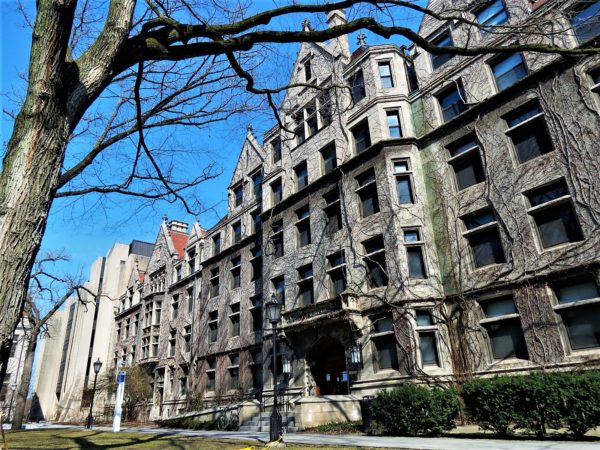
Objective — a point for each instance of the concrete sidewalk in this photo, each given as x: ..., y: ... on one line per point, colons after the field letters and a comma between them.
x: 412, y: 443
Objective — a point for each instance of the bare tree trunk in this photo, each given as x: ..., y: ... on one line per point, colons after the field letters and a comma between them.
x: 19, y: 412
x: 33, y: 160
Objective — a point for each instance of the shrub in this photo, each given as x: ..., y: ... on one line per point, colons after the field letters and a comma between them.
x: 582, y: 403
x: 411, y: 410
x: 336, y: 428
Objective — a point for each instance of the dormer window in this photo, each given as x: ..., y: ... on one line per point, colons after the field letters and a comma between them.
x: 238, y: 194
x: 276, y: 150
x: 358, y: 87
x: 307, y: 71
x: 443, y: 40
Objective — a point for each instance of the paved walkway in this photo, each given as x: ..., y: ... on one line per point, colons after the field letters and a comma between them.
x: 412, y: 443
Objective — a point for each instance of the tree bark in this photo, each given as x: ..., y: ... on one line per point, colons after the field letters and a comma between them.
x: 19, y: 412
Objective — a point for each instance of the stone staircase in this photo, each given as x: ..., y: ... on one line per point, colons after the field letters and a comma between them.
x: 260, y: 422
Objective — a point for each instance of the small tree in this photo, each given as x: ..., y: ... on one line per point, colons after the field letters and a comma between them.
x: 138, y: 388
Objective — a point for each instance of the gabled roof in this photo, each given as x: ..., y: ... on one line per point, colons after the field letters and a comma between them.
x: 251, y: 157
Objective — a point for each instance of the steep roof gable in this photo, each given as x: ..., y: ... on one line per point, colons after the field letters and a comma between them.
x: 251, y: 157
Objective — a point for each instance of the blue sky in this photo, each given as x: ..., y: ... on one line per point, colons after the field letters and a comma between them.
x: 87, y: 231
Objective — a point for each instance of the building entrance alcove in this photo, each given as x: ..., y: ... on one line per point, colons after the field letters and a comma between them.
x: 327, y: 362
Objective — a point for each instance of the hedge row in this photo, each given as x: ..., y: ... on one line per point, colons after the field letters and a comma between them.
x: 188, y: 423
x: 532, y: 403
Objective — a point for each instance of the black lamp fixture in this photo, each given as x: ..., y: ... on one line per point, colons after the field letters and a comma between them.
x: 286, y: 365
x: 273, y: 313
x: 354, y: 355
x: 90, y: 418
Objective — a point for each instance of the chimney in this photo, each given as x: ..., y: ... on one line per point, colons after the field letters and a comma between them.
x: 339, y: 45
x: 177, y: 226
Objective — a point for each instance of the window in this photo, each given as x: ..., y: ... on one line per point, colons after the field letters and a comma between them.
x: 256, y: 262
x: 403, y: 175
x: 393, y: 121
x: 553, y: 213
x: 578, y: 304
x: 210, y: 374
x: 333, y: 211
x: 276, y: 192
x: 276, y: 150
x: 175, y: 307
x: 214, y: 282
x: 154, y: 350
x: 411, y: 75
x: 277, y: 238
x: 256, y: 363
x: 213, y: 326
x: 508, y: 70
x: 362, y: 136
x: 328, y: 158
x: 312, y: 121
x: 256, y: 221
x: 257, y: 180
x: 256, y: 313
x: 444, y: 40
x: 236, y: 264
x: 503, y: 328
x: 528, y: 133
x: 183, y: 386
x: 303, y: 226
x: 306, y: 294
x: 190, y: 299
x: 414, y: 253
x: 172, y: 342
x: 236, y: 228
x: 358, y: 87
x: 187, y: 338
x: 375, y: 262
x: 384, y: 342
x: 191, y: 256
x: 385, y: 74
x: 216, y: 244
x: 427, y: 331
x: 234, y: 319
x: 301, y: 172
x: 325, y: 108
x: 278, y: 285
x: 337, y: 273
x: 484, y: 238
x: 585, y: 20
x: 367, y: 192
x: 465, y: 160
x: 298, y: 124
x: 238, y: 195
x: 595, y: 76
x: 307, y: 71
x: 157, y: 312
x: 452, y: 101
x: 492, y: 15
x: 178, y: 273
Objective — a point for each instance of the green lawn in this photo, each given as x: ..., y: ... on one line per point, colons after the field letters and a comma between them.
x: 83, y: 439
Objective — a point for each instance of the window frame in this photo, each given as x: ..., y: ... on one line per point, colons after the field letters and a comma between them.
x: 393, y: 113
x: 379, y: 341
x: 305, y: 283
x: 385, y: 63
x: 364, y: 141
x: 418, y: 244
x: 367, y: 190
x: 495, y: 62
x: 371, y: 262
x: 301, y: 175
x: 334, y: 269
x: 467, y: 154
x: 439, y: 60
x: 488, y: 227
x: 454, y: 86
x: 485, y: 28
x: 433, y: 329
x: 303, y: 226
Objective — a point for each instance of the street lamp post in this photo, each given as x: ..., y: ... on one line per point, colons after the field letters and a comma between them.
x: 97, y: 367
x: 273, y: 313
x: 13, y: 388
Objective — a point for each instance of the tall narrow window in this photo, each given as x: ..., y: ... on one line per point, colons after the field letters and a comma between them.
x: 175, y: 307
x: 484, y: 238
x: 312, y: 121
x: 385, y: 75
x: 234, y: 319
x: 585, y: 20
x: 362, y: 136
x: 236, y: 264
x: 553, y: 213
x: 256, y: 364
x: 301, y: 172
x: 277, y: 238
x: 306, y: 295
x: 367, y: 192
x: 256, y: 313
x: 213, y: 326
x: 427, y: 331
x: 303, y: 226
x: 214, y: 282
x: 414, y: 253
x: 307, y: 70
x: 190, y: 299
x: 191, y: 260
x: 452, y: 101
x: 172, y: 342
x: 375, y: 262
x: 238, y: 195
x: 337, y: 273
x: 384, y: 343
x: 210, y: 374
x: 328, y: 158
x: 528, y: 132
x: 403, y: 176
x: 503, y: 328
x: 393, y: 121
x: 578, y: 304
x: 358, y: 87
x: 278, y: 285
x: 233, y: 372
x: 276, y: 192
x: 276, y: 150
x: 236, y: 229
x: 325, y: 108
x: 257, y: 180
x: 256, y: 262
x: 299, y: 130
x: 333, y: 211
x: 492, y: 15
x: 216, y: 244
x: 465, y: 160
x: 444, y: 40
x: 411, y: 75
x: 256, y: 221
x: 508, y: 70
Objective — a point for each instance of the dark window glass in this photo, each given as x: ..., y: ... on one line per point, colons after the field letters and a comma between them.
x: 416, y: 265
x: 393, y: 121
x: 428, y: 347
x: 466, y: 163
x: 404, y: 188
x: 499, y: 306
x: 333, y: 211
x: 338, y: 282
x: 210, y: 381
x: 385, y: 73
x: 492, y: 15
x: 375, y: 262
x: 383, y: 324
x: 424, y: 318
x: 277, y: 191
x: 217, y: 244
x: 257, y: 185
x: 238, y: 193
x: 595, y: 75
x: 301, y: 171
x: 479, y: 218
x: 237, y: 232
x: 358, y: 87
x: 574, y: 292
x: 506, y: 339
x: 508, y: 70
x: 585, y: 20
x: 329, y: 158
x: 387, y: 357
x: 413, y: 81
x: 531, y: 139
x: 279, y: 289
x: 452, y: 101
x: 486, y: 248
x: 306, y: 294
x: 445, y: 40
x: 548, y: 193
x: 307, y: 71
x: 304, y: 237
x: 256, y: 222
x: 362, y: 136
x: 583, y: 326
x: 276, y: 150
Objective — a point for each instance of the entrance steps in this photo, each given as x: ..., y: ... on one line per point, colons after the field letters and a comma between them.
x: 261, y: 422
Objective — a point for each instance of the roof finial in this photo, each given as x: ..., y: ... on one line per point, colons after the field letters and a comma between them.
x: 361, y: 39
x: 306, y: 26
x: 249, y: 129
x: 165, y: 218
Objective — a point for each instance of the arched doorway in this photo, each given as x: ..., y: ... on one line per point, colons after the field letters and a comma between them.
x: 327, y: 362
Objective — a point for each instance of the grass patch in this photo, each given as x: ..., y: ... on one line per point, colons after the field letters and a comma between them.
x: 337, y: 428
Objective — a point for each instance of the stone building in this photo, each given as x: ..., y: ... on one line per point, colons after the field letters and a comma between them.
x: 421, y: 217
